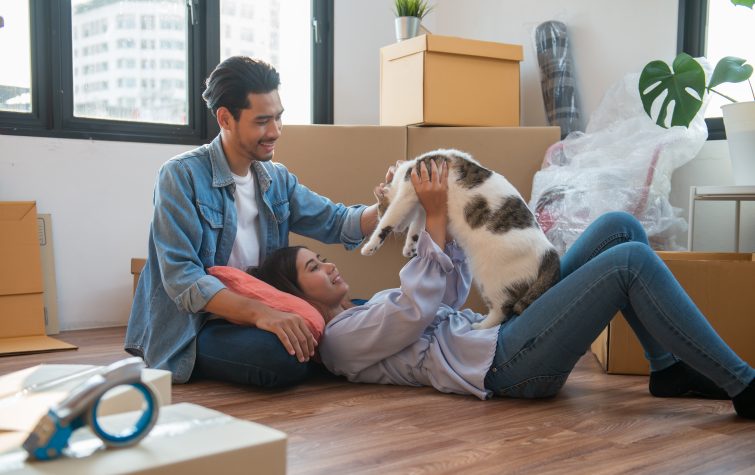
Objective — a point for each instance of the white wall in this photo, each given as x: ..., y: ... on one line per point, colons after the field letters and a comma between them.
x: 100, y: 197
x: 100, y: 193
x: 608, y: 38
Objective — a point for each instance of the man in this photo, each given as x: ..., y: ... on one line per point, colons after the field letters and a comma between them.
x: 226, y: 203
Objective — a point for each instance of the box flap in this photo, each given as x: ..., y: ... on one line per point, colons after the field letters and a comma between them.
x: 488, y: 49
x: 15, y: 210
x: 32, y: 344
x: 452, y: 45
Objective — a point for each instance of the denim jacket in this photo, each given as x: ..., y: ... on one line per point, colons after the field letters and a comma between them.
x: 193, y: 228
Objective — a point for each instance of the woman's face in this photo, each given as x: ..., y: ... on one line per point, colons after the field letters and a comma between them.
x: 319, y: 280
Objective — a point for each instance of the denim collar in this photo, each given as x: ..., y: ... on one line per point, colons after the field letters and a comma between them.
x: 221, y: 172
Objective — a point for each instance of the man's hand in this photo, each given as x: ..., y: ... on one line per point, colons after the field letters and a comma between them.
x: 432, y: 191
x: 290, y: 329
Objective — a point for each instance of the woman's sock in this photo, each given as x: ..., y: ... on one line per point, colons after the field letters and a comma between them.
x: 679, y: 380
x: 744, y: 402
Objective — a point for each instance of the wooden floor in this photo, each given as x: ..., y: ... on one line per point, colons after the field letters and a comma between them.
x: 598, y: 424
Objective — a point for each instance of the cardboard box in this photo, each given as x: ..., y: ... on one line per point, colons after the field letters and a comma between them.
x: 187, y: 439
x: 44, y: 228
x: 443, y: 80
x: 137, y: 264
x: 22, y: 316
x: 720, y: 284
x: 26, y: 396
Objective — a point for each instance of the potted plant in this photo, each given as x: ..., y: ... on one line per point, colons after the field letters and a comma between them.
x: 409, y: 14
x: 684, y: 86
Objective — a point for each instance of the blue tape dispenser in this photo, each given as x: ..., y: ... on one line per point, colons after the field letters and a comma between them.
x: 53, y: 431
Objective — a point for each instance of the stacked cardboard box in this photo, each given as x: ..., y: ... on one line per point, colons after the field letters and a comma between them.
x: 443, y: 80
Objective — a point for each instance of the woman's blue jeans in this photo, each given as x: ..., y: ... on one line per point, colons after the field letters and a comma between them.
x: 609, y: 268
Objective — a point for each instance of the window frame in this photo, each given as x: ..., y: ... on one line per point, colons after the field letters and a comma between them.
x: 691, y: 38
x: 52, y: 114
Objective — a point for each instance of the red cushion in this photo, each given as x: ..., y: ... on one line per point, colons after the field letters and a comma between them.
x: 244, y: 284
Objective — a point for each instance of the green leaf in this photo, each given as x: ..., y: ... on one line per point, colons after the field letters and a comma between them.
x: 657, y: 77
x: 418, y: 8
x: 730, y: 69
x: 744, y: 3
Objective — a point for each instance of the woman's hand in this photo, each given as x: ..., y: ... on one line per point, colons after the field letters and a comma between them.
x: 431, y: 187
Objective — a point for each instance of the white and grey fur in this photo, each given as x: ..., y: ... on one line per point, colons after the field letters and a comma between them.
x: 510, y: 258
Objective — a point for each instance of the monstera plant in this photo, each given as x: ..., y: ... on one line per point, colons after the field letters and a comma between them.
x: 684, y: 84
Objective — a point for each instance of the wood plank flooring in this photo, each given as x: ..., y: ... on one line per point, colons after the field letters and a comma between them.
x: 598, y: 424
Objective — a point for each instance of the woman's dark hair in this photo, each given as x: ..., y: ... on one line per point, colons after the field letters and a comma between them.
x: 279, y: 270
x: 230, y: 84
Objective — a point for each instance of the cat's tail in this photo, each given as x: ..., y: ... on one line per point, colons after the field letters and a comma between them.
x: 548, y: 274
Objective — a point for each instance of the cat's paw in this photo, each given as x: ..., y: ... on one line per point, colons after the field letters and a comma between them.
x: 410, y: 251
x: 520, y: 307
x: 368, y: 250
x: 481, y: 325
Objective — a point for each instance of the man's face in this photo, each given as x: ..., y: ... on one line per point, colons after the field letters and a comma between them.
x: 255, y: 133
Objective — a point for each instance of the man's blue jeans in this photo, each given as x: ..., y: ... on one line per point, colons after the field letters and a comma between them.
x: 609, y: 268
x: 245, y: 355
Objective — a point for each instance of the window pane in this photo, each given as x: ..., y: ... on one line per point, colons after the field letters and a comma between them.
x: 15, y: 49
x: 130, y: 60
x: 277, y: 31
x: 730, y: 33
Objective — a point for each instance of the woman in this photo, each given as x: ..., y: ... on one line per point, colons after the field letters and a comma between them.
x: 417, y: 335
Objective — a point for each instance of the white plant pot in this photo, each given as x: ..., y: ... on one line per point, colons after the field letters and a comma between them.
x: 739, y: 120
x: 406, y: 27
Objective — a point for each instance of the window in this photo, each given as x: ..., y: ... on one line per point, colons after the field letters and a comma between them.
x: 134, y: 69
x: 715, y: 29
x: 15, y: 47
x: 280, y: 35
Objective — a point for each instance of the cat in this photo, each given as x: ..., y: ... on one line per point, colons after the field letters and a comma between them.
x: 512, y: 261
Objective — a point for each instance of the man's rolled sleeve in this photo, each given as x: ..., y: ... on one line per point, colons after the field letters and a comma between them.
x: 195, y: 298
x: 351, y: 231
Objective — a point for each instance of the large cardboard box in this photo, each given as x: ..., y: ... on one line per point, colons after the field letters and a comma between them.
x: 187, y: 439
x: 720, y: 284
x: 444, y: 80
x: 22, y: 315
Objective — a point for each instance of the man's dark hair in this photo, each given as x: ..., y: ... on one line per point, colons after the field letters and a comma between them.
x: 230, y: 84
x: 279, y: 270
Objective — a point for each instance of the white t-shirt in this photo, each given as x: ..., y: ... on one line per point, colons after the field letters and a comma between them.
x: 246, y: 247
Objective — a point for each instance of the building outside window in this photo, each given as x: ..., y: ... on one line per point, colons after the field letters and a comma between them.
x: 133, y: 69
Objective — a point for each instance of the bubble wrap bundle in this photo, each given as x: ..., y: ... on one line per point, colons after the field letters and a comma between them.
x: 623, y: 162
